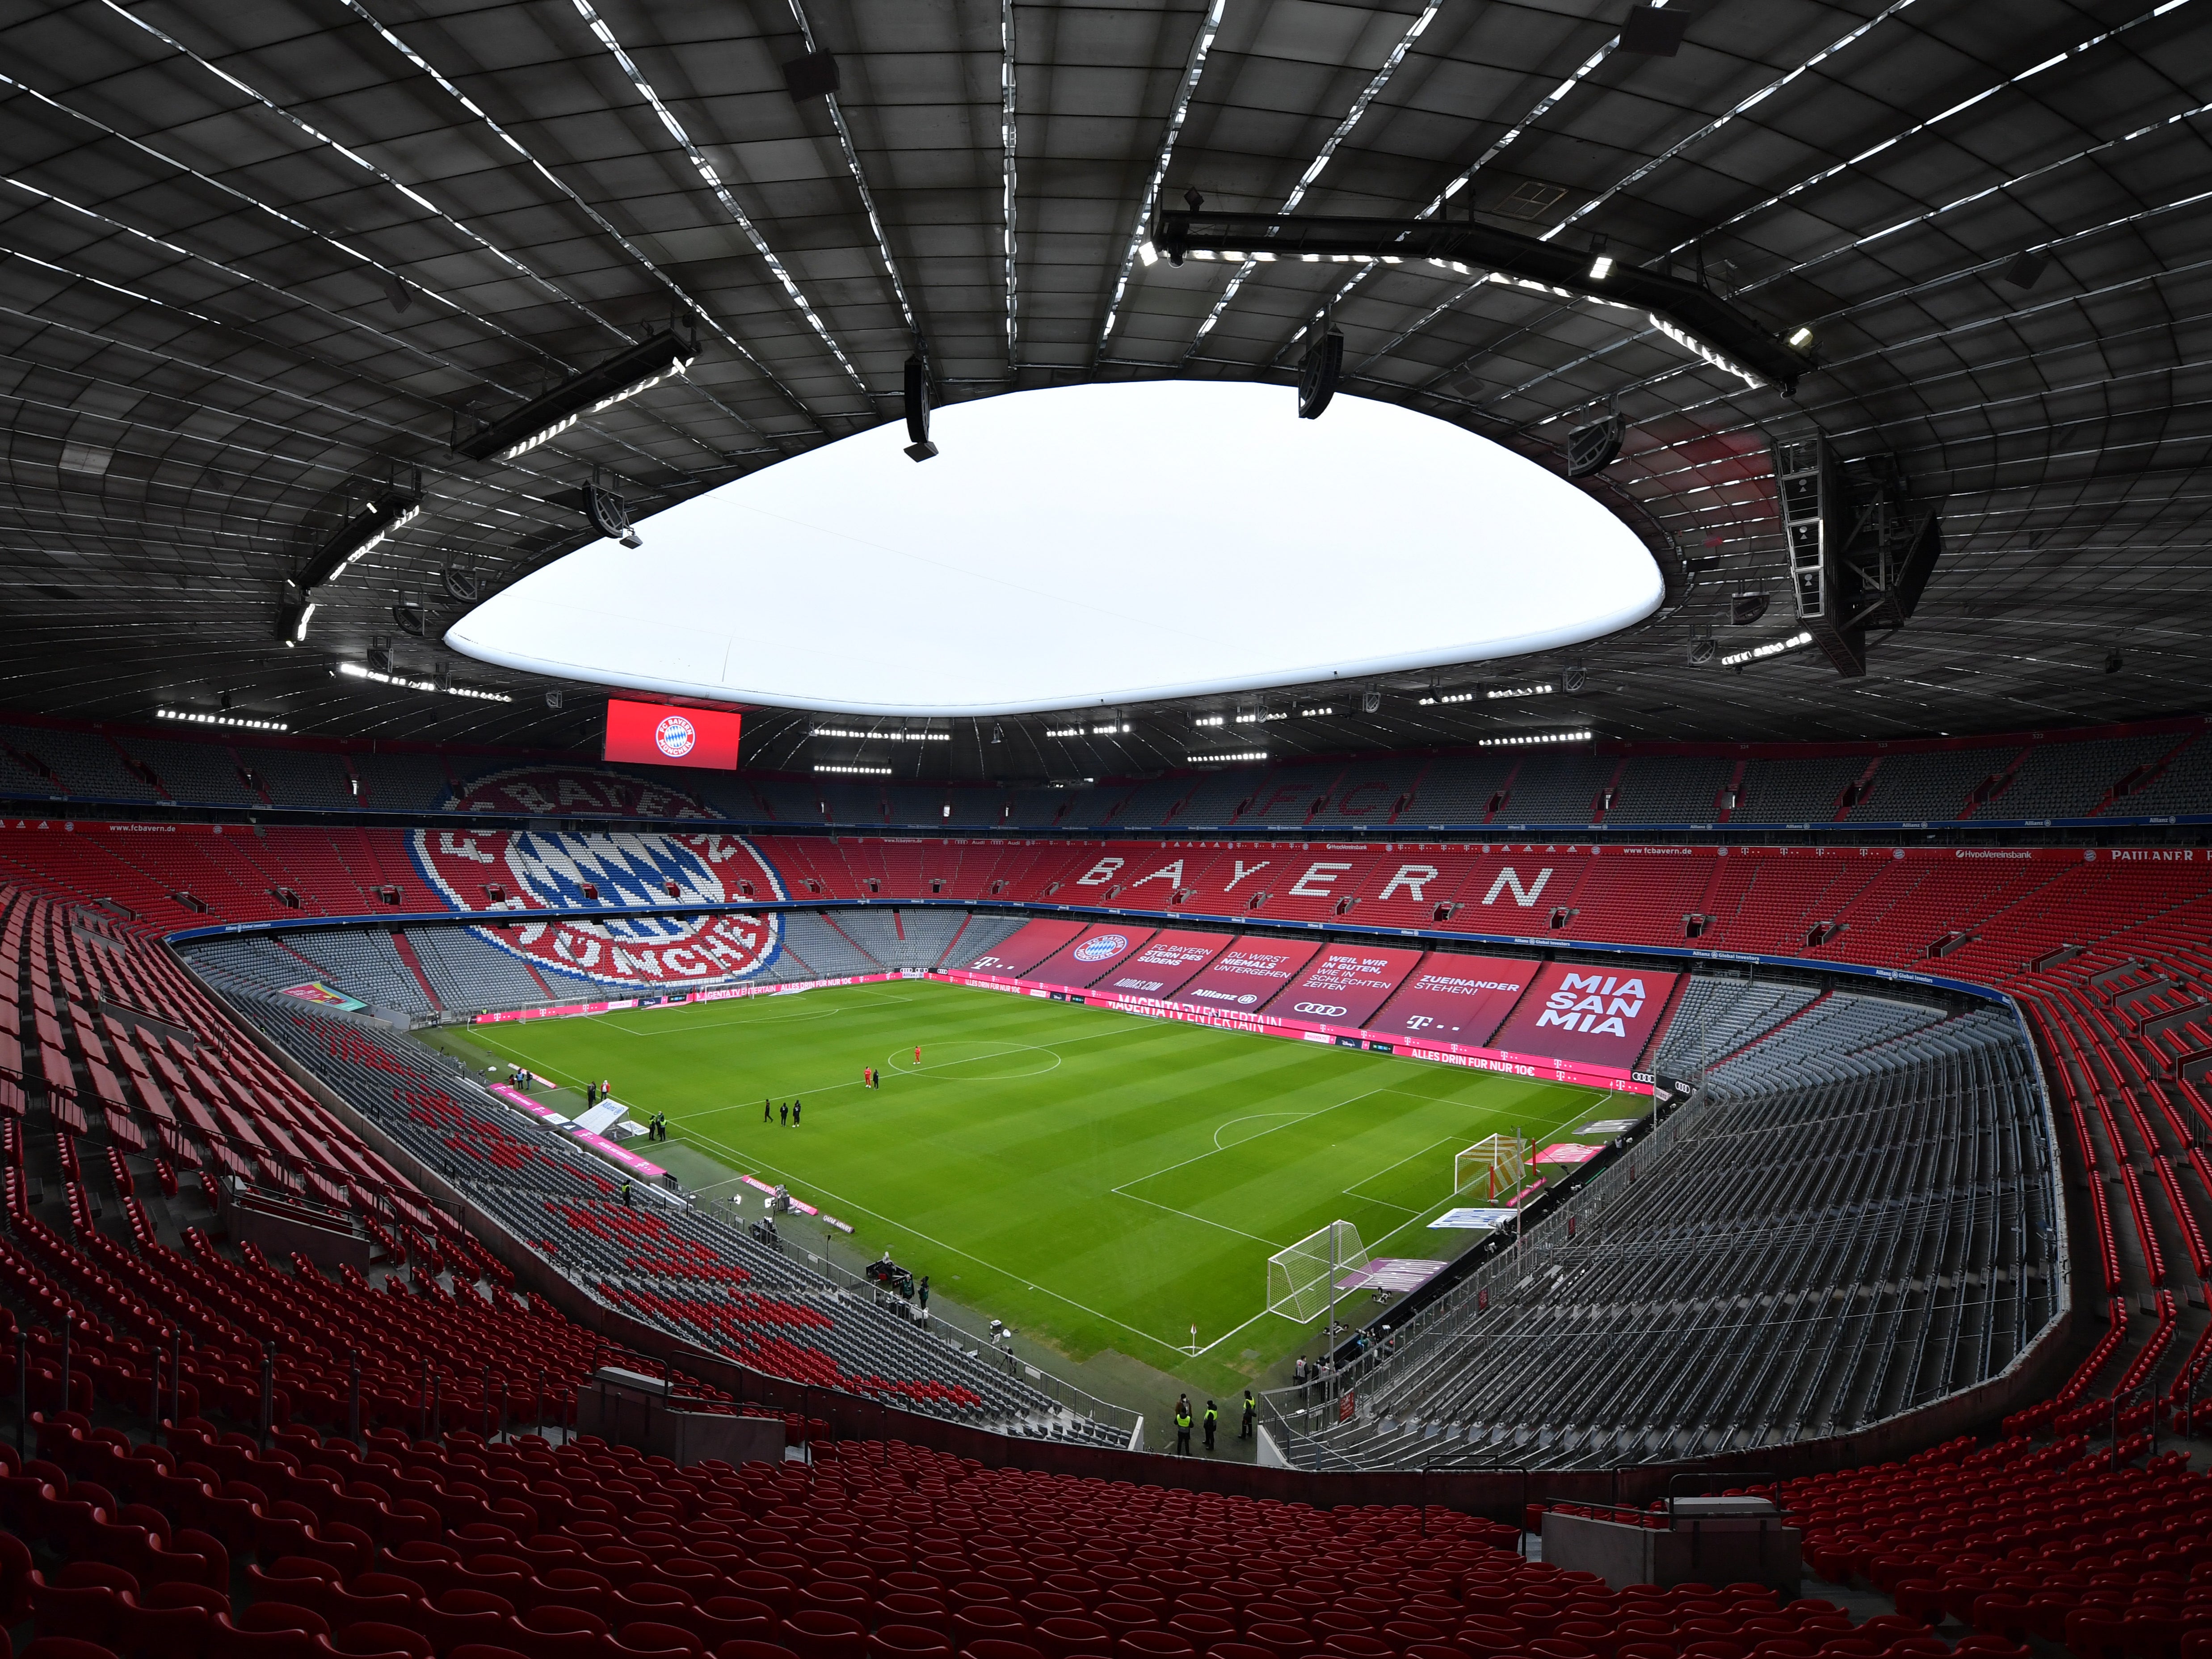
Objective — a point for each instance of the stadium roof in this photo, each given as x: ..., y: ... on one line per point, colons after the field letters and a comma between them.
x: 266, y: 264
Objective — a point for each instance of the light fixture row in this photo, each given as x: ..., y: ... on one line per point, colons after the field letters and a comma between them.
x: 358, y: 671
x: 195, y: 719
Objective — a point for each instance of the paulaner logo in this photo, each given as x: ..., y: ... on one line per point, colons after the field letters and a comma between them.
x: 1598, y: 1011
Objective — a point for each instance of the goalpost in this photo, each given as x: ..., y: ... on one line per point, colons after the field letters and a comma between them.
x: 1301, y: 1278
x: 1498, y: 1163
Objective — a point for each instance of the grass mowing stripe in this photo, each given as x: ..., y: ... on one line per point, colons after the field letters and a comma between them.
x: 1006, y: 1164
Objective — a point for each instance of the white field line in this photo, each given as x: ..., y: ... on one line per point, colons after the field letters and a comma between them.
x: 858, y: 1208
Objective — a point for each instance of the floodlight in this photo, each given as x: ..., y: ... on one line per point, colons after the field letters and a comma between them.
x: 1600, y: 267
x: 997, y: 734
x: 1534, y: 738
x: 1802, y: 337
x: 1771, y: 648
x: 1371, y: 702
x: 360, y: 535
x: 292, y: 621
x: 1148, y: 252
x: 1713, y: 328
x: 1319, y: 371
x: 625, y: 374
x: 2025, y: 270
x: 1591, y: 449
x: 2112, y: 663
x: 609, y: 514
x: 554, y: 698
x: 917, y: 411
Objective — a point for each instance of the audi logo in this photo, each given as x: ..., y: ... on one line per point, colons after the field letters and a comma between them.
x: 1321, y: 1008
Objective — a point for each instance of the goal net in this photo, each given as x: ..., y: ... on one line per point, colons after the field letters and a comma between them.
x: 1496, y: 1165
x: 1298, y: 1278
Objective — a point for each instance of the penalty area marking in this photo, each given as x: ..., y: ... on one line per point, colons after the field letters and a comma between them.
x: 858, y: 1208
x: 743, y: 1014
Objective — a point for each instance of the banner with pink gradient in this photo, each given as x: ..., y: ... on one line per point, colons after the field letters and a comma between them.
x: 1169, y: 961
x: 1589, y: 1013
x: 1246, y: 977
x: 1344, y: 984
x: 1453, y: 999
x: 1017, y: 956
x: 1093, y: 954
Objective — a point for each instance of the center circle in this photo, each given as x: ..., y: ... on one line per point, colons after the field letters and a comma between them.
x: 958, y: 1061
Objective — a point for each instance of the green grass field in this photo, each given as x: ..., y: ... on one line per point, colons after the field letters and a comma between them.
x: 1096, y: 1180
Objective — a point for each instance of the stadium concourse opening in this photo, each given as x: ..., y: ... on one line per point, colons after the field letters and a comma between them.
x: 1084, y: 546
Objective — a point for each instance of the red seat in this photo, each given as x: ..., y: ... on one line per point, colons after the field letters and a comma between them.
x: 1294, y: 1641
x: 984, y: 1622
x: 484, y: 1650
x: 556, y: 1632
x: 268, y: 1630
x: 301, y: 1580
x: 651, y: 1600
x: 15, y: 1578
x: 650, y: 1637
x: 370, y: 1640
x: 815, y: 1633
x: 992, y: 1648
x: 1201, y: 1629
x: 464, y: 1615
x: 2095, y: 1632
x: 66, y: 1647
x: 1065, y: 1638
x: 907, y: 1642
x: 168, y: 1621
x: 436, y: 1567
x: 730, y: 1618
x: 575, y: 1587
x: 1154, y: 1644
x: 83, y: 1601
x: 771, y: 1590
x: 745, y: 1648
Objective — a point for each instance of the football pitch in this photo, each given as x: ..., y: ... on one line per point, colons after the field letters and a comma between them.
x: 1097, y: 1180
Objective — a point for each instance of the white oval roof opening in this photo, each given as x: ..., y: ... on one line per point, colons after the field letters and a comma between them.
x: 1086, y: 545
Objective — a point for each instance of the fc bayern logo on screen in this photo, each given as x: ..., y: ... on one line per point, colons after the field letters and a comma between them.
x: 676, y: 737
x: 521, y: 874
x: 1104, y: 948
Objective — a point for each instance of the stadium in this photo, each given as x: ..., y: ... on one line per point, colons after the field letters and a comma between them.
x: 1441, y: 767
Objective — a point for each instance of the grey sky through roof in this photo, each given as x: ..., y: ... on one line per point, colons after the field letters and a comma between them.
x: 1085, y: 546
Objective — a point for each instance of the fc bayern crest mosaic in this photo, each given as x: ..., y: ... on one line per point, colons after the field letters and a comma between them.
x: 526, y: 871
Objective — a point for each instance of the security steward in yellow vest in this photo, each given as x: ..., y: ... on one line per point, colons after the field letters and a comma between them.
x: 1213, y: 1417
x: 1183, y: 1429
